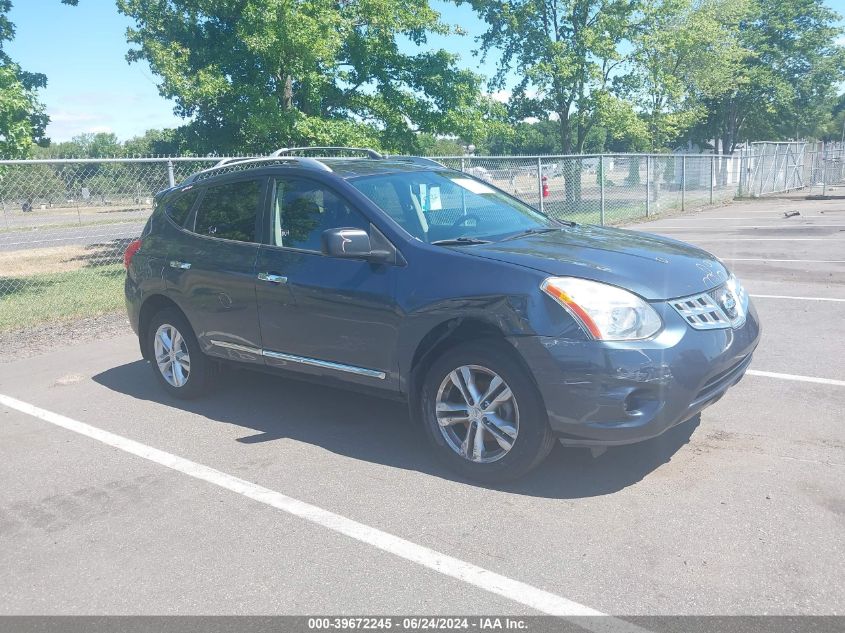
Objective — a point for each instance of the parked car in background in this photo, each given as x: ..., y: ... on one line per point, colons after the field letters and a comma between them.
x: 504, y: 329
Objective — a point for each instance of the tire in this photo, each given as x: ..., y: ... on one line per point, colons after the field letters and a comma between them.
x: 520, y: 421
x: 177, y: 382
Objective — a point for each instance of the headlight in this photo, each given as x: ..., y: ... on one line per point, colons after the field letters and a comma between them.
x: 605, y: 312
x: 739, y: 292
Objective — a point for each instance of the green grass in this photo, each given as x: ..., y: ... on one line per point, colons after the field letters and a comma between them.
x: 89, y: 291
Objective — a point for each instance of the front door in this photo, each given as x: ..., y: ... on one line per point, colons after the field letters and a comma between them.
x: 212, y: 271
x: 339, y: 318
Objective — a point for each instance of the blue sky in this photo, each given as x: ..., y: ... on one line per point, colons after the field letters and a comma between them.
x: 91, y: 87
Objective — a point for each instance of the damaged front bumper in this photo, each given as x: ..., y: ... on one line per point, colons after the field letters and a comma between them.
x: 608, y: 393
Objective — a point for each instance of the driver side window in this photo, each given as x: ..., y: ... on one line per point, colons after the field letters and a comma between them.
x: 303, y: 209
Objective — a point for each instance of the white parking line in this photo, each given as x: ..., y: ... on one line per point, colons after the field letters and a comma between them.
x: 772, y: 374
x: 699, y: 218
x: 492, y: 582
x: 768, y: 239
x: 728, y: 227
x: 797, y: 298
x: 802, y: 261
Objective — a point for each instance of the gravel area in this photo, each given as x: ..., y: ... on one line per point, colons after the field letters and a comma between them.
x: 48, y: 337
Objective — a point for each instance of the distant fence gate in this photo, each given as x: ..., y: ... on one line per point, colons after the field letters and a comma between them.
x: 66, y: 222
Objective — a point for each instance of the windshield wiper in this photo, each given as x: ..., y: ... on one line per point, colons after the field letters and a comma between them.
x: 456, y: 241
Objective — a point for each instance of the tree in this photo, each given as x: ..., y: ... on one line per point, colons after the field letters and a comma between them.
x: 565, y: 52
x: 787, y: 84
x: 255, y: 75
x: 684, y: 51
x: 154, y: 143
x: 21, y: 115
x: 23, y: 120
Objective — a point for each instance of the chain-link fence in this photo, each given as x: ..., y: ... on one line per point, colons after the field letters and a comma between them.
x: 66, y: 223
x: 826, y: 172
x: 610, y: 188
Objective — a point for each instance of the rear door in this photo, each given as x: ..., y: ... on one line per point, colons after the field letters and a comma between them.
x: 211, y: 268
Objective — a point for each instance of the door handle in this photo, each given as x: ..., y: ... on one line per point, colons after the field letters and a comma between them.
x: 180, y: 265
x: 273, y: 279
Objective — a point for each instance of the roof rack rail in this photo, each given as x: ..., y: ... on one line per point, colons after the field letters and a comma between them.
x: 371, y: 153
x: 417, y: 160
x: 230, y: 163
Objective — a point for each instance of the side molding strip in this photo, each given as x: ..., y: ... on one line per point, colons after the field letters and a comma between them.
x: 236, y: 347
x: 303, y: 360
x: 325, y: 364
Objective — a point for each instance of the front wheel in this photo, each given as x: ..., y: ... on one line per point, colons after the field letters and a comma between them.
x: 177, y: 361
x: 483, y: 413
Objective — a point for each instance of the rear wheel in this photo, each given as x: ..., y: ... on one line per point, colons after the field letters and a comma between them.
x: 177, y: 361
x: 483, y: 413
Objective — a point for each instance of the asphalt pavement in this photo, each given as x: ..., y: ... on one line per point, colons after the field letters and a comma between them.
x: 342, y: 508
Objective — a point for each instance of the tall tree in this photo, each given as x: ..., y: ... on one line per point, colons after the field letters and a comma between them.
x: 564, y: 53
x: 683, y: 51
x: 259, y: 74
x: 787, y: 84
x: 23, y: 120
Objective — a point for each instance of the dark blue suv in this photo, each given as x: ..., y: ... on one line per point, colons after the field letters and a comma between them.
x: 503, y: 328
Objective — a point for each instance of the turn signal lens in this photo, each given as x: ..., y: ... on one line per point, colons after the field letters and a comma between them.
x: 605, y: 312
x: 130, y: 251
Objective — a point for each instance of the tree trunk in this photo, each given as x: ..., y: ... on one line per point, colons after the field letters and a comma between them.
x: 571, y: 167
x: 287, y: 96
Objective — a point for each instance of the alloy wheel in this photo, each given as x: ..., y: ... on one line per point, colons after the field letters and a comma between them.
x: 477, y: 414
x: 171, y: 355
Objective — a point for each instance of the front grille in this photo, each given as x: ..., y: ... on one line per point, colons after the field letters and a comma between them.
x: 701, y: 312
x: 722, y: 307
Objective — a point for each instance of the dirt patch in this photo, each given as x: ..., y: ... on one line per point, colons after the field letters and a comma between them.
x: 38, y: 261
x: 48, y: 337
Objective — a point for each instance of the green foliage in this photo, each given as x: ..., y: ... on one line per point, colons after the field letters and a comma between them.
x: 431, y: 145
x: 23, y: 120
x: 256, y: 75
x: 564, y: 51
x: 684, y: 50
x: 21, y: 114
x: 155, y: 143
x: 786, y: 85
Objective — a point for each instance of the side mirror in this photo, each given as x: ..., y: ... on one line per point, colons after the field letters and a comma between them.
x: 350, y: 244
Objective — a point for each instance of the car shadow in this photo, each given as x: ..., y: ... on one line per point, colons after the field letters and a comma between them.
x: 346, y: 423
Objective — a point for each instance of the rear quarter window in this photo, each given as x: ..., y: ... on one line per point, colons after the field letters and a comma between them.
x: 178, y: 207
x: 229, y: 211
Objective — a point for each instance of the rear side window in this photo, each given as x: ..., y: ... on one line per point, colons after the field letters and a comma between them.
x: 178, y: 207
x: 229, y: 211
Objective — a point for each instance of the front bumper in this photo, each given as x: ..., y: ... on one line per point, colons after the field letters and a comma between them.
x: 604, y: 394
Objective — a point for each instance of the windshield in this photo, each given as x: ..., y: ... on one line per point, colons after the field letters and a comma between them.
x: 440, y: 205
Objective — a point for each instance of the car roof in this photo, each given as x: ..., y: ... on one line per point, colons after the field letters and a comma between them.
x: 355, y: 167
x: 346, y: 168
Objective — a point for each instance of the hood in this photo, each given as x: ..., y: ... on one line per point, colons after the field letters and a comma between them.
x: 653, y: 267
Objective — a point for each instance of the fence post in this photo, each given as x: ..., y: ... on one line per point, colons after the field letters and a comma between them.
x: 463, y: 164
x: 824, y: 171
x: 540, y: 181
x: 170, y: 176
x: 648, y: 185
x: 601, y: 181
x: 683, y: 182
x: 712, y: 175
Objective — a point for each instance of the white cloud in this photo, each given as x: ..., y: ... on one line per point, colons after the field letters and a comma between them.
x: 63, y: 116
x: 503, y: 96
x: 125, y: 114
